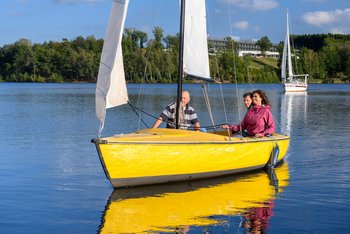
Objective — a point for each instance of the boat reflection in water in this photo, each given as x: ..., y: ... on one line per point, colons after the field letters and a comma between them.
x: 201, y: 204
x: 293, y: 108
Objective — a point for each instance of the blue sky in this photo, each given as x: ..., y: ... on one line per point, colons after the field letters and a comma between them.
x: 53, y: 20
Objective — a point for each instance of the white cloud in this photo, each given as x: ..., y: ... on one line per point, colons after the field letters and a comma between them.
x: 337, y: 31
x: 264, y: 4
x: 257, y: 5
x: 75, y: 1
x: 241, y: 25
x: 320, y: 18
x: 336, y: 21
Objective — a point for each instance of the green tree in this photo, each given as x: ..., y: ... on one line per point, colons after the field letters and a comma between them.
x: 142, y: 37
x: 265, y: 44
x: 172, y: 43
x: 332, y: 57
x: 247, y: 61
x: 158, y: 33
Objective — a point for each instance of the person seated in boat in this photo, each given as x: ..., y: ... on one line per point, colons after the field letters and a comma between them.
x: 258, y: 121
x: 256, y: 219
x: 247, y: 100
x: 187, y: 115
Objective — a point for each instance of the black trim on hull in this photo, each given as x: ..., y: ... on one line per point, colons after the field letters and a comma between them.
x: 97, y: 142
x: 140, y: 181
x: 187, y: 143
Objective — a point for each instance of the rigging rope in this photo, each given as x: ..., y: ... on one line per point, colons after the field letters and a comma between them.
x: 217, y: 74
x: 207, y: 102
x: 155, y: 117
x: 223, y: 102
x: 140, y: 119
x: 234, y: 65
x: 140, y: 98
x: 225, y: 113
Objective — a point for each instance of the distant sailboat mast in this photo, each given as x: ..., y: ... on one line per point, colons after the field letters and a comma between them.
x: 287, y: 57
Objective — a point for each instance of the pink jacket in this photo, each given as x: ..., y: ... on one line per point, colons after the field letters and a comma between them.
x: 258, y: 119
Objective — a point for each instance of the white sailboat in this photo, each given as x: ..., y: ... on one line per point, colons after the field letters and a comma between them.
x: 152, y: 156
x: 292, y: 82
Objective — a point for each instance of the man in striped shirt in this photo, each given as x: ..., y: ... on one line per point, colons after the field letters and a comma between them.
x: 187, y: 115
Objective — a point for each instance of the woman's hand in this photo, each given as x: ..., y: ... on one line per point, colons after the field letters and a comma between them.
x: 259, y: 135
x: 225, y: 126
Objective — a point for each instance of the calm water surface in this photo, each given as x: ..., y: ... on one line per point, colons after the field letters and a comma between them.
x: 52, y: 180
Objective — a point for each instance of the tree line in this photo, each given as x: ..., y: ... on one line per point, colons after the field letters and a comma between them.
x: 323, y: 56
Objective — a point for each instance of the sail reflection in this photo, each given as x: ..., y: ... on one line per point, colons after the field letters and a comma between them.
x: 294, y: 105
x: 180, y: 207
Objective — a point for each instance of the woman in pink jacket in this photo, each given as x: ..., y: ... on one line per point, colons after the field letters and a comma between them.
x: 258, y: 121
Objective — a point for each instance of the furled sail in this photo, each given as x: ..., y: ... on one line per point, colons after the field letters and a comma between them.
x: 287, y: 58
x: 111, y: 86
x: 196, y: 60
x: 284, y: 58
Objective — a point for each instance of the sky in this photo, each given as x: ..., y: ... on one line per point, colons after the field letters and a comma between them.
x: 54, y: 20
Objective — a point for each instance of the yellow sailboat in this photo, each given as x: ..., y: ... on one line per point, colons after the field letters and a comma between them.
x: 165, y: 155
x: 181, y: 206
x: 152, y: 156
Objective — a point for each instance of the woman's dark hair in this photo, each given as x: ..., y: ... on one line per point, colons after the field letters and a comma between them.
x: 265, y: 101
x: 247, y: 94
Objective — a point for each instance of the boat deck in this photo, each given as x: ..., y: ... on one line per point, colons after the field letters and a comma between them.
x: 184, y: 136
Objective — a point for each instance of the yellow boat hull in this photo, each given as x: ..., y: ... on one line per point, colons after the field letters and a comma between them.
x: 167, y: 208
x: 153, y: 156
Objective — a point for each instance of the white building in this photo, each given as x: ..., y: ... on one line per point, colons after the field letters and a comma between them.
x: 242, y: 48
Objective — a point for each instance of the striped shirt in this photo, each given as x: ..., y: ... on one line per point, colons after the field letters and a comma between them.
x: 188, y: 117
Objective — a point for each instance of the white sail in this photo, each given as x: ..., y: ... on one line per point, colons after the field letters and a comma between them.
x: 196, y: 60
x: 111, y: 86
x: 284, y: 58
x: 287, y: 67
x: 289, y: 52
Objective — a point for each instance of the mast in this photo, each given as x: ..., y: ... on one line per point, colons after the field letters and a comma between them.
x: 289, y: 53
x: 180, y: 66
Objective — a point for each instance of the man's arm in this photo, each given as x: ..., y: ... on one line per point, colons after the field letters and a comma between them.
x: 158, y: 122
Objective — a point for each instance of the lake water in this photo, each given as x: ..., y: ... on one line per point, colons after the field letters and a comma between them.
x: 52, y: 180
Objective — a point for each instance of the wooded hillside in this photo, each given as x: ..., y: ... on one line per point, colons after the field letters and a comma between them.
x: 326, y: 57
